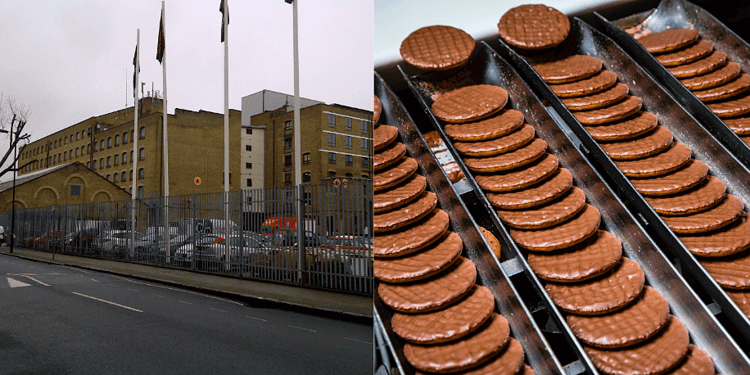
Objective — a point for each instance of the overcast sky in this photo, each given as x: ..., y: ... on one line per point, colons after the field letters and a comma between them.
x: 72, y: 60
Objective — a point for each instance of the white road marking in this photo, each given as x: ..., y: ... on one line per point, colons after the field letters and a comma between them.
x: 157, y: 295
x: 217, y: 310
x: 263, y: 320
x: 33, y: 279
x: 364, y: 342
x: 184, y: 302
x: 133, y: 290
x: 109, y: 302
x: 13, y: 283
x: 93, y: 279
x: 179, y: 290
x: 305, y: 329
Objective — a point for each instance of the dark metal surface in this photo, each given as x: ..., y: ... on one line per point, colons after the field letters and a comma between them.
x: 704, y: 329
x: 672, y: 14
x: 539, y: 355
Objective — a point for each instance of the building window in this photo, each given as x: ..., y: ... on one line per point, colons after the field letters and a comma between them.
x: 117, y: 159
x: 348, y: 124
x: 117, y: 177
x: 365, y: 176
x: 54, y: 144
x: 348, y: 159
x: 331, y: 139
x: 287, y: 125
x: 132, y: 134
x: 348, y: 142
x: 363, y: 144
x: 248, y: 148
x: 249, y: 182
x: 109, y: 161
x: 140, y: 191
x: 288, y: 141
x: 131, y: 175
x: 88, y: 164
x: 71, y: 138
x: 101, y: 163
x: 83, y: 151
x: 65, y: 155
x: 109, y: 177
x: 125, y: 138
x: 131, y: 155
x: 365, y: 162
x: 287, y: 178
x: 89, y: 132
x: 142, y: 154
x: 306, y: 158
x: 75, y: 190
x: 66, y: 141
x: 54, y: 159
x: 287, y: 160
x: 332, y: 157
x: 331, y: 120
x: 76, y: 151
x: 306, y: 177
x: 365, y: 127
x: 249, y: 131
x: 77, y: 136
x: 125, y: 158
x: 124, y: 176
x: 88, y: 148
x: 141, y: 173
x: 117, y: 140
x: 249, y: 165
x: 109, y: 142
x: 101, y: 145
x: 349, y: 175
x: 331, y: 174
x: 143, y: 132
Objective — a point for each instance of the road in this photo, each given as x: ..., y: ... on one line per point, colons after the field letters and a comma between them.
x: 61, y: 320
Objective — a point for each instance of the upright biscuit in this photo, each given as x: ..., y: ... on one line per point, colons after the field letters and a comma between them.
x: 383, y: 136
x: 739, y: 125
x: 736, y: 106
x: 533, y: 27
x: 546, y: 215
x: 388, y: 156
x: 696, y: 51
x: 596, y: 83
x: 519, y: 178
x: 668, y: 40
x: 662, y: 163
x: 723, y: 214
x: 469, y: 103
x: 729, y: 240
x: 687, y: 177
x: 639, y: 124
x: 508, y: 362
x: 395, y: 174
x: 732, y: 272
x: 420, y: 265
x: 698, y: 199
x: 741, y: 298
x: 509, y: 160
x: 408, y: 214
x: 624, y: 109
x: 414, y: 238
x: 718, y: 77
x: 437, y: 48
x: 504, y: 122
x: 697, y: 363
x: 568, y: 69
x: 584, y: 261
x: 492, y: 147
x: 705, y: 65
x: 558, y: 184
x: 566, y: 234
x: 376, y: 109
x: 604, y: 98
x: 645, y: 145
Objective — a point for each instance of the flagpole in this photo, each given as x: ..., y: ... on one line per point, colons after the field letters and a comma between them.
x: 225, y: 24
x: 166, y: 139
x: 135, y: 142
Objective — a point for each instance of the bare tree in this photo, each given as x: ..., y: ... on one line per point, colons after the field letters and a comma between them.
x: 13, y: 118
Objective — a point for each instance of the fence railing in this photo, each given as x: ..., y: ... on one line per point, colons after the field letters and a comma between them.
x: 334, y: 250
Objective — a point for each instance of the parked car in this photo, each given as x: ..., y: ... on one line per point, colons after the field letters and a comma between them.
x: 46, y: 241
x: 116, y: 243
x: 82, y: 241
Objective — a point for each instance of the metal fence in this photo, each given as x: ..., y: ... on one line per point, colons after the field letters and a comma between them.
x: 332, y: 250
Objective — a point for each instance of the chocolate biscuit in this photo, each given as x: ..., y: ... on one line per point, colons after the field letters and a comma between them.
x: 546, y: 215
x: 508, y: 362
x: 400, y: 195
x: 504, y: 122
x: 519, y: 178
x: 494, y: 243
x: 383, y: 136
x: 736, y: 106
x: 408, y: 214
x: 705, y: 65
x: 437, y: 48
x: 696, y: 51
x: 568, y: 69
x: 643, y: 146
x: 388, y: 156
x: 624, y: 109
x: 558, y: 184
x: 420, y: 265
x: 687, y: 177
x: 509, y: 160
x: 607, y: 293
x: 723, y: 214
x: 698, y: 199
x: 732, y: 272
x: 739, y: 125
x: 662, y: 163
x: 584, y: 261
x: 596, y: 83
x: 414, y: 238
x: 376, y: 109
x: 631, y: 127
x: 394, y: 175
x: 697, y: 363
x: 668, y: 40
x: 718, y: 77
x: 605, y: 98
x: 574, y: 231
x: 533, y: 27
x: 469, y: 103
x: 492, y: 147
x: 741, y: 298
x: 732, y: 239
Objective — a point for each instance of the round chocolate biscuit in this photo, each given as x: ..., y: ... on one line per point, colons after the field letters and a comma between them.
x: 655, y: 356
x: 700, y: 198
x: 576, y: 230
x: 451, y: 323
x: 596, y: 83
x: 394, y: 175
x: 723, y: 214
x: 533, y: 27
x: 388, y: 156
x: 504, y: 122
x: 568, y: 69
x: 708, y: 64
x: 509, y: 160
x: 736, y: 106
x: 633, y: 324
x: 519, y: 178
x: 607, y: 293
x: 437, y: 48
x: 532, y: 196
x: 641, y: 123
x: 605, y: 98
x: 400, y: 195
x: 687, y: 177
x: 494, y: 243
x: 405, y: 215
x: 383, y: 136
x: 465, y: 353
x: 376, y: 109
x: 413, y: 238
x: 469, y: 103
x: 548, y: 214
x: 732, y: 272
x: 741, y: 298
x: 668, y: 40
x: 718, y: 77
x: 669, y: 160
x: 696, y: 51
x: 729, y: 240
x: 643, y: 146
x: 624, y: 109
x: 739, y: 125
x: 584, y: 261
x: 420, y: 265
x: 432, y: 293
x: 697, y: 363
x: 507, y: 362
x: 492, y: 147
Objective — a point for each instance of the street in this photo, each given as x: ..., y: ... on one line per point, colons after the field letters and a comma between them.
x: 62, y: 320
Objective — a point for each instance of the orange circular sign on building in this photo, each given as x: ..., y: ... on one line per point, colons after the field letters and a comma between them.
x: 197, y: 180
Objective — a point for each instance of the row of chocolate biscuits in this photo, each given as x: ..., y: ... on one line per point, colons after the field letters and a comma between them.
x: 447, y: 320
x: 694, y: 204
x: 713, y: 79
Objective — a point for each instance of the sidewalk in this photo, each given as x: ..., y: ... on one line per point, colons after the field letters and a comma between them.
x: 254, y: 292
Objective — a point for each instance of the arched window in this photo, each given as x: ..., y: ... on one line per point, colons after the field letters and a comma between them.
x: 117, y: 140
x: 141, y: 173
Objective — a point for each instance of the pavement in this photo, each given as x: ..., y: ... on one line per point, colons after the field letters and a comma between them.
x: 316, y: 301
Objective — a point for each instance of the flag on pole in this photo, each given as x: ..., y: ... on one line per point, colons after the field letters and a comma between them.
x: 160, y: 43
x: 136, y: 69
x: 221, y: 9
